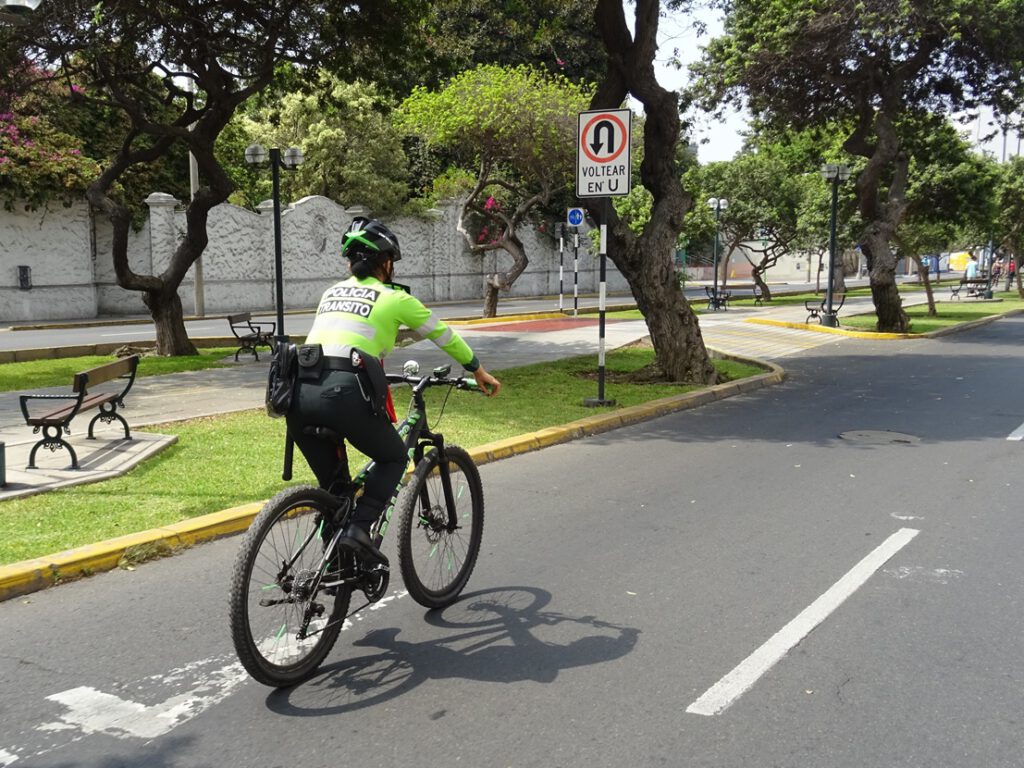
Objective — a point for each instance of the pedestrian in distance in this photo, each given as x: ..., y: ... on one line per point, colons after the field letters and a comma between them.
x: 972, y: 268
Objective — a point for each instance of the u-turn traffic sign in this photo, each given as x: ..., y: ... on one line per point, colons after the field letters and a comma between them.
x: 602, y: 153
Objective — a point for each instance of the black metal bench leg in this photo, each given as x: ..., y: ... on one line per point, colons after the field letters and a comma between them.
x: 52, y: 442
x: 108, y: 416
x: 247, y: 346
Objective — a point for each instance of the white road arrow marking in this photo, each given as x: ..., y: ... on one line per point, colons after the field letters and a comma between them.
x: 92, y: 711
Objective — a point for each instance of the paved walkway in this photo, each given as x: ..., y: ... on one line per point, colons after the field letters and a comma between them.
x: 508, y: 342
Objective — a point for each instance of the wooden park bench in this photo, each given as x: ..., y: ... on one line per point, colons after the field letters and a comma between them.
x: 56, y: 422
x: 976, y: 287
x: 818, y: 309
x: 251, y: 334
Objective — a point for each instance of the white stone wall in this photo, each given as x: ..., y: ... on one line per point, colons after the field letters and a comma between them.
x: 56, y: 244
x: 73, y: 274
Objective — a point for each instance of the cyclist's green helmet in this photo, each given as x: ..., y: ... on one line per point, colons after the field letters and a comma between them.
x: 369, y: 240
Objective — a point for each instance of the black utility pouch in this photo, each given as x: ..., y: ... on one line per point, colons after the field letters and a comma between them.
x: 372, y: 379
x: 311, y: 362
x: 281, y: 379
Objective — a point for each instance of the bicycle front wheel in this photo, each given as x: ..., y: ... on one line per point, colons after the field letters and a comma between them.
x: 284, y: 621
x: 438, y: 545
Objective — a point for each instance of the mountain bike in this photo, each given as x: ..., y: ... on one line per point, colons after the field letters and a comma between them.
x: 292, y: 583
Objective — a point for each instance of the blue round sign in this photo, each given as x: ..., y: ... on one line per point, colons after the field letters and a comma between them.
x: 575, y: 217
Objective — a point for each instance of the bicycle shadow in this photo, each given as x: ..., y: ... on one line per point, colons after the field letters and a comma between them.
x: 496, y: 643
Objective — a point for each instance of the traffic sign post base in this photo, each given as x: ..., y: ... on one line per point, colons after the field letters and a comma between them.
x: 597, y: 402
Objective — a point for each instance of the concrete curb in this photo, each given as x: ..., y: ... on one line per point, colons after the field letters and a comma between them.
x: 29, y: 576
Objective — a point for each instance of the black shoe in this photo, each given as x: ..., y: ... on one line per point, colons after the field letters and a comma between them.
x: 358, y: 541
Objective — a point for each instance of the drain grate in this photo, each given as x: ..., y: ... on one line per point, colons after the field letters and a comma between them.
x: 879, y: 437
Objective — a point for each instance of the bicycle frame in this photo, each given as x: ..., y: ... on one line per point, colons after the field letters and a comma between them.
x: 417, y: 437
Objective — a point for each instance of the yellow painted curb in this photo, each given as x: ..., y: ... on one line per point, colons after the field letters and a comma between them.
x: 827, y: 329
x: 32, y: 575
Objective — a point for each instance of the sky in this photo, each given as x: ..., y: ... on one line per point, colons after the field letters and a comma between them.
x: 716, y: 139
x: 721, y: 139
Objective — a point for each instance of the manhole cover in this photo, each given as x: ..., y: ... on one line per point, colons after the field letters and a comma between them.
x: 879, y: 437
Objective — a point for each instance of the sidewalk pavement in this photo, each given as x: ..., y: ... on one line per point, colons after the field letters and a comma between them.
x: 507, y: 341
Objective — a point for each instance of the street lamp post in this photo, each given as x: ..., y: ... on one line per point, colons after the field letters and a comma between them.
x: 835, y: 174
x: 290, y: 159
x: 717, y: 204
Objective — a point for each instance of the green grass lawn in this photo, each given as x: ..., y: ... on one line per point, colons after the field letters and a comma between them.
x: 233, y: 459
x: 35, y: 374
x: 950, y: 313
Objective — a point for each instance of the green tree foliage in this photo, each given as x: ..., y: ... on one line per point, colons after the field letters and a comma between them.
x: 557, y: 36
x: 176, y: 72
x: 1010, y: 204
x: 515, y: 129
x: 951, y: 191
x: 766, y: 201
x: 868, y: 64
x: 353, y: 153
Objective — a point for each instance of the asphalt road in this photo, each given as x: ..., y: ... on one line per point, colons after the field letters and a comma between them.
x: 734, y: 585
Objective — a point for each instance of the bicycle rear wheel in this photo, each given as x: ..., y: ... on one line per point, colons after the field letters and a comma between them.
x: 438, y: 547
x: 283, y: 622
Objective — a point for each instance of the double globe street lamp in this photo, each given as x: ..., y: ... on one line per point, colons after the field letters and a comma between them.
x: 717, y: 204
x: 290, y: 160
x: 835, y: 174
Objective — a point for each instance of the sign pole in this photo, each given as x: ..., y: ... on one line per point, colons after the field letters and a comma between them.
x: 561, y: 262
x: 575, y: 272
x: 601, y: 306
x: 603, y: 170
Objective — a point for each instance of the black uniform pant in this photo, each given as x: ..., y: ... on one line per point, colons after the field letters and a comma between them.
x: 335, y: 401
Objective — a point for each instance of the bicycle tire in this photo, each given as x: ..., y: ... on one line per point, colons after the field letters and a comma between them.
x: 427, y: 551
x: 266, y: 636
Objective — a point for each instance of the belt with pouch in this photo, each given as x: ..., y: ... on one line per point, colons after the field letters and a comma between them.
x: 332, y: 363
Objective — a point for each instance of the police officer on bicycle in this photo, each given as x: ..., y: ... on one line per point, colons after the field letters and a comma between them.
x: 356, y: 325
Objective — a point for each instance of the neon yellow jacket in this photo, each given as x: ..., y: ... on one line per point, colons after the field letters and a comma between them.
x: 368, y: 313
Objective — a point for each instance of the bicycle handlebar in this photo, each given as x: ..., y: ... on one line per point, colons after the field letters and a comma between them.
x: 419, y: 383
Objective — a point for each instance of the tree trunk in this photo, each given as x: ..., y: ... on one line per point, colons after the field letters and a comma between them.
x: 646, y: 261
x: 882, y: 277
x: 922, y: 273
x: 165, y: 308
x: 503, y: 281
x: 882, y: 213
x: 675, y: 331
x: 160, y: 292
x: 758, y: 275
x: 491, y: 288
